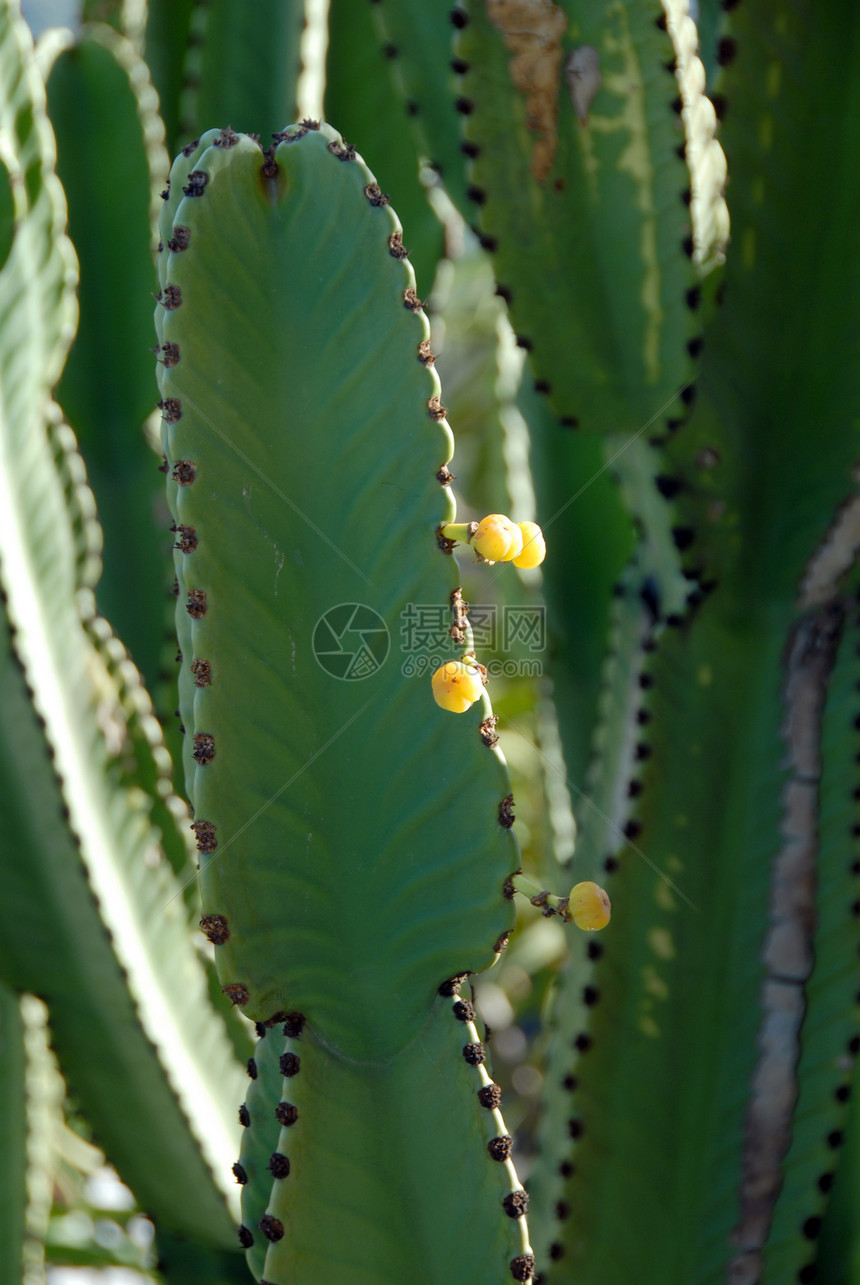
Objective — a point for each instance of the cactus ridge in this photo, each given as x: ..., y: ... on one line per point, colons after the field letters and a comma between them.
x: 264, y: 1104
x: 639, y: 468
x: 703, y: 153
x: 84, y: 528
x: 697, y: 470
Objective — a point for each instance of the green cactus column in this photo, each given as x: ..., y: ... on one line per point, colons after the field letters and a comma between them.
x: 702, y: 1060
x: 354, y: 838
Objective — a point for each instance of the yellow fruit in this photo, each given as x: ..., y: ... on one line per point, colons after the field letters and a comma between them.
x: 516, y: 545
x: 494, y: 539
x: 456, y: 686
x: 589, y: 906
x: 534, y: 547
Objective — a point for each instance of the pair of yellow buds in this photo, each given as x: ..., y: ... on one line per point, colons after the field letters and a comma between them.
x: 497, y: 539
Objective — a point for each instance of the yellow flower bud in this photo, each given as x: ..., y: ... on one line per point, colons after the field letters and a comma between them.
x: 516, y: 546
x: 497, y: 539
x: 456, y: 686
x: 534, y: 547
x: 589, y: 906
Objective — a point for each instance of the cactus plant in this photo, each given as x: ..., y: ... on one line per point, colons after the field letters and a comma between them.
x: 689, y: 400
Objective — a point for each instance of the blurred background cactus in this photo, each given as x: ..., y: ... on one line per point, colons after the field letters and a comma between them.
x: 635, y: 228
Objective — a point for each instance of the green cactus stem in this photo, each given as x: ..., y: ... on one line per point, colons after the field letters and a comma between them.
x: 577, y: 206
x: 106, y: 386
x: 93, y: 918
x: 306, y: 453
